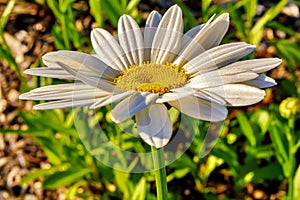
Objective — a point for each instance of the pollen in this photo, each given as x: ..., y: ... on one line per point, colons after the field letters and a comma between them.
x: 151, y: 77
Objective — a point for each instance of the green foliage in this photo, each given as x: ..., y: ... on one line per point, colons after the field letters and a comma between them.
x: 251, y: 31
x: 297, y: 184
x: 113, y: 10
x: 65, y: 33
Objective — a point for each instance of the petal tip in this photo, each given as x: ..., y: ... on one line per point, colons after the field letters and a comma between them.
x: 23, y: 96
x: 278, y: 61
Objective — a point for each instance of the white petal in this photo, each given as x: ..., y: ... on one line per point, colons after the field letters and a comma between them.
x: 238, y: 94
x: 174, y: 96
x: 63, y: 71
x: 190, y: 34
x: 108, y: 49
x: 167, y: 40
x: 220, y: 77
x: 51, y: 72
x: 81, y: 61
x: 65, y: 103
x: 214, y: 33
x: 149, y: 32
x: 256, y: 65
x: 200, y: 109
x: 131, y: 40
x: 89, y: 78
x: 217, y: 57
x: 261, y: 82
x: 63, y: 87
x: 205, y: 94
x: 154, y: 125
x: 46, y: 93
x: 192, y: 46
x: 111, y: 99
x: 131, y: 105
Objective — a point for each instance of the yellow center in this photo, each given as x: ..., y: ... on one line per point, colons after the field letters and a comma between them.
x: 151, y: 77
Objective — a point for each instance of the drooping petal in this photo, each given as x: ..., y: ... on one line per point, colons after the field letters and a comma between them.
x: 149, y: 32
x: 167, y: 40
x: 50, y: 72
x: 131, y: 105
x: 111, y: 99
x: 65, y: 103
x: 154, y: 125
x: 261, y: 82
x: 131, y: 40
x: 217, y: 57
x: 64, y: 91
x: 108, y: 49
x: 62, y: 87
x: 200, y: 108
x: 81, y: 61
x: 238, y: 94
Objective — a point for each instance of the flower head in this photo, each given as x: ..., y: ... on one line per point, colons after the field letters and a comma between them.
x: 289, y: 107
x: 144, y: 70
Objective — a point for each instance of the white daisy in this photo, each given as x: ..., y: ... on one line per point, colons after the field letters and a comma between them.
x: 144, y: 70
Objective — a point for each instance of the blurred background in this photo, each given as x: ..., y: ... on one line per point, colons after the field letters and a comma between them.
x: 42, y: 157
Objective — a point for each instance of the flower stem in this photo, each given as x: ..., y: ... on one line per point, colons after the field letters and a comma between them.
x: 160, y: 173
x: 292, y: 159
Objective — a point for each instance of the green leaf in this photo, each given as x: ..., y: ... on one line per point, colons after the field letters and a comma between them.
x: 262, y: 152
x: 271, y: 171
x: 65, y: 4
x: 205, y: 6
x: 246, y: 128
x: 191, y: 21
x: 42, y: 172
x: 262, y: 118
x: 250, y: 7
x: 113, y: 11
x: 296, y: 194
x: 96, y: 10
x: 58, y: 40
x: 6, y: 13
x: 53, y: 152
x: 53, y: 5
x: 211, y: 164
x: 277, y: 25
x: 256, y: 32
x: 178, y: 173
x: 288, y: 50
x: 140, y: 190
x: 123, y: 183
x: 229, y: 155
x: 239, y: 23
x: 279, y: 143
x: 132, y: 5
x: 64, y: 178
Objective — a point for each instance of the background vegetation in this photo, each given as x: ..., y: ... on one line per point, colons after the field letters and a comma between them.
x: 41, y: 154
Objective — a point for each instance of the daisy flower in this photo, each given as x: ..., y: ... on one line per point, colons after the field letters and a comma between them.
x: 144, y: 70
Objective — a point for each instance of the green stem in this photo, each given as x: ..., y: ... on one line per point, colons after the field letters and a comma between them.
x: 292, y: 159
x: 160, y: 173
